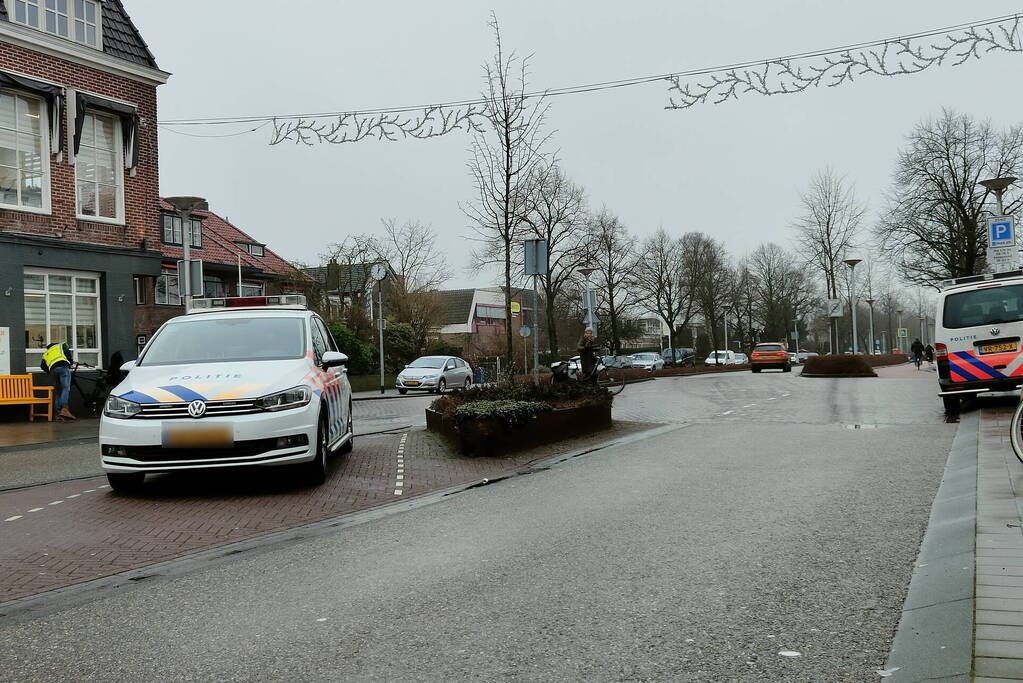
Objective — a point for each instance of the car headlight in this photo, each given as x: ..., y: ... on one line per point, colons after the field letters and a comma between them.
x: 121, y: 408
x: 284, y: 400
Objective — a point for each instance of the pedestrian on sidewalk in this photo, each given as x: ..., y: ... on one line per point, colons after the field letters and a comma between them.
x: 587, y: 349
x: 57, y: 362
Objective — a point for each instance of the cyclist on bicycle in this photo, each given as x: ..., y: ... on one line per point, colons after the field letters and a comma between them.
x: 57, y: 361
x: 918, y: 352
x: 587, y: 349
x: 929, y: 353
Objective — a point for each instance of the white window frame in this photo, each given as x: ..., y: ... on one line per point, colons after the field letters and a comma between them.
x: 249, y: 285
x: 72, y: 16
x: 34, y: 356
x: 168, y: 290
x: 118, y: 170
x: 140, y: 291
x: 195, y: 231
x: 44, y: 126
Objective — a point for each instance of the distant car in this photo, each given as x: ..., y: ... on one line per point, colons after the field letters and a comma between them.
x: 614, y: 361
x: 679, y: 357
x: 741, y: 358
x: 434, y: 373
x: 803, y: 355
x: 647, y: 361
x: 794, y: 358
x: 770, y: 355
x: 721, y: 358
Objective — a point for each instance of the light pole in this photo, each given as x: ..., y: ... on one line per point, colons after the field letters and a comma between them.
x: 998, y: 186
x: 184, y: 207
x: 851, y: 262
x: 871, y: 302
x: 898, y: 332
x: 586, y: 272
x: 377, y: 273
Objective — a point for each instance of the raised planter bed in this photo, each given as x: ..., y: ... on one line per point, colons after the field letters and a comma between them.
x: 490, y: 437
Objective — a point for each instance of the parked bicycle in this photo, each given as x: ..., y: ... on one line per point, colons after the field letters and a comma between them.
x: 102, y: 382
x: 606, y: 376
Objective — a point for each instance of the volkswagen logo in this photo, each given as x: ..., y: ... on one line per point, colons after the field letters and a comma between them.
x: 197, y: 408
x: 995, y: 331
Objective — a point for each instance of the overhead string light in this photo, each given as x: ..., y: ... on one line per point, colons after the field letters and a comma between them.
x: 897, y: 56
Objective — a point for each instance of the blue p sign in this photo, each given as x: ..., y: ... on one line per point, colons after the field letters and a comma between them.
x: 1000, y: 232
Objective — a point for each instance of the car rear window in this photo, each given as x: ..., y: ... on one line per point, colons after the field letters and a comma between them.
x: 224, y: 340
x: 769, y: 347
x: 985, y: 306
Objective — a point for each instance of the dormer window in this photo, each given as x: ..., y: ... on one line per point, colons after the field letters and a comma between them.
x: 254, y: 249
x: 77, y: 20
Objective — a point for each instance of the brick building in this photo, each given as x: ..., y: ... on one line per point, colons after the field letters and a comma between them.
x: 233, y: 262
x: 475, y: 319
x: 79, y: 178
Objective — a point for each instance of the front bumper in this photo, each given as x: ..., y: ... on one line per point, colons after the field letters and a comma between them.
x: 254, y: 442
x: 425, y: 384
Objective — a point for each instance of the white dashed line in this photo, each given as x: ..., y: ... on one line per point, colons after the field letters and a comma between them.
x: 35, y: 509
x: 105, y: 486
x: 11, y: 519
x: 397, y: 492
x: 74, y: 495
x: 88, y: 490
x: 728, y: 412
x: 773, y: 398
x: 56, y: 502
x: 751, y: 405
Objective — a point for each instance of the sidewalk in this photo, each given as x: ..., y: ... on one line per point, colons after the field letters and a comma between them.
x: 14, y: 434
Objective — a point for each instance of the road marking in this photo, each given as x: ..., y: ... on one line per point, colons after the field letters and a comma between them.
x: 35, y: 509
x: 751, y: 405
x: 74, y: 495
x: 773, y: 398
x: 397, y: 492
x: 88, y: 490
x: 728, y: 412
x: 56, y: 502
x: 105, y: 486
x: 11, y: 519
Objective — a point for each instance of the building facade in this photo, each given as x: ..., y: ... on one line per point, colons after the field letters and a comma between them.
x: 79, y: 178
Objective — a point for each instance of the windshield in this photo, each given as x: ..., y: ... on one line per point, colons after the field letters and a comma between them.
x: 221, y: 340
x: 770, y: 347
x: 984, y: 306
x: 428, y: 362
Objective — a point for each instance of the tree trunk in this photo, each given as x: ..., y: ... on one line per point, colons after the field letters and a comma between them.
x: 552, y: 327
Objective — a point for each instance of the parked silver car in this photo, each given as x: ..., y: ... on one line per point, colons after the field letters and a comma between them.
x: 434, y: 373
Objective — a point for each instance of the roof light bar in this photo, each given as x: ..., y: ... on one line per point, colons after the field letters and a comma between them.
x: 247, y: 302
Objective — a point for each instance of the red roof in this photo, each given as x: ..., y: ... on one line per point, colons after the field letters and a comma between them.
x: 219, y: 246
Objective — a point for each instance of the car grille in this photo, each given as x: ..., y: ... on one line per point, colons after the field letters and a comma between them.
x: 160, y: 411
x: 241, y: 449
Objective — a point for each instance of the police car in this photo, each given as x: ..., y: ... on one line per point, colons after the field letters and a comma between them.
x: 236, y: 382
x: 978, y: 331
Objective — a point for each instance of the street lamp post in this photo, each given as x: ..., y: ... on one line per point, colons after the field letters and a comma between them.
x: 898, y: 332
x: 923, y: 323
x: 851, y: 262
x: 998, y: 186
x: 871, y: 302
x: 586, y: 272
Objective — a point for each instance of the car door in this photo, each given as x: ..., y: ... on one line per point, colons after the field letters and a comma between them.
x: 449, y: 375
x: 333, y: 391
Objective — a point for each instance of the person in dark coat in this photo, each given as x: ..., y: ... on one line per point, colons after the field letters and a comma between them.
x: 587, y: 349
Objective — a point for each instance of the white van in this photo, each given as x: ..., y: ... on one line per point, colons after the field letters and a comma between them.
x: 721, y: 358
x: 978, y: 330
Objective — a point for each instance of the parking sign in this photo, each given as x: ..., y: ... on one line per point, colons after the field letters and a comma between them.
x: 1000, y: 232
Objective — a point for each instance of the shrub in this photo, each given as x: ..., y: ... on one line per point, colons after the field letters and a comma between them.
x: 883, y: 359
x: 439, y: 347
x: 843, y: 366
x: 509, y: 412
x: 361, y: 360
x: 561, y: 395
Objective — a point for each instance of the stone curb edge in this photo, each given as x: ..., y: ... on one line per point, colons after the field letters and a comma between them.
x: 934, y: 638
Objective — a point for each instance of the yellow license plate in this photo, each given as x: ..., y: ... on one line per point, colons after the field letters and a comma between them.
x: 412, y: 383
x: 198, y: 436
x: 998, y: 348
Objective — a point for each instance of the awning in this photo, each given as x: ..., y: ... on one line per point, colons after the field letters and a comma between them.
x: 53, y: 94
x: 129, y: 123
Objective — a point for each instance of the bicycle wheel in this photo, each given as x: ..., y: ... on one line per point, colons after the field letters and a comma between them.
x: 1015, y: 433
x: 612, y: 379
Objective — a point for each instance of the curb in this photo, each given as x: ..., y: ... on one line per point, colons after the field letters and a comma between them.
x: 934, y: 639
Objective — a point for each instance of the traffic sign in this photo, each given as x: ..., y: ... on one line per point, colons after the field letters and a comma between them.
x: 524, y: 331
x: 904, y: 332
x: 835, y: 308
x: 516, y: 307
x: 1001, y: 232
x: 1000, y: 259
x: 535, y: 252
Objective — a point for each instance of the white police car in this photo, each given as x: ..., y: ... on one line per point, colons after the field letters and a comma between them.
x: 235, y: 382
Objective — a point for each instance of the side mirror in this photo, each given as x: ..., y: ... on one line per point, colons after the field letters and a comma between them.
x: 126, y: 367
x: 333, y: 359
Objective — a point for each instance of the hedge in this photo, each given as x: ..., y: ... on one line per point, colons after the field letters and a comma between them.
x: 839, y: 366
x: 511, y: 413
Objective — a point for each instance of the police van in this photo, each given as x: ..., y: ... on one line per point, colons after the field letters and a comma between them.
x: 978, y: 332
x: 237, y: 381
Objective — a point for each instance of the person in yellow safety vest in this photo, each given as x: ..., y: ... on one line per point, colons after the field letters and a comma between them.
x: 57, y: 362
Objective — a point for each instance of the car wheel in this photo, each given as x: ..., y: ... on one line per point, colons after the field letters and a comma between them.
x: 402, y: 391
x: 756, y: 369
x: 441, y: 386
x: 350, y: 444
x: 315, y: 471
x: 951, y: 404
x: 787, y: 368
x: 126, y: 482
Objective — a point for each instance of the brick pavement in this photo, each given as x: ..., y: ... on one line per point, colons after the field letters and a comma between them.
x: 62, y: 534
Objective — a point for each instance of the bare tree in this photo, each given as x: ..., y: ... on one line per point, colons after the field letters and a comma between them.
x: 419, y: 269
x: 782, y: 289
x: 828, y: 227
x: 933, y: 227
x: 557, y: 214
x: 614, y: 259
x: 508, y: 159
x: 660, y: 279
x: 712, y: 278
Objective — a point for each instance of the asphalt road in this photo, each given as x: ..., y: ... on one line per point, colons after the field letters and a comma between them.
x: 783, y: 515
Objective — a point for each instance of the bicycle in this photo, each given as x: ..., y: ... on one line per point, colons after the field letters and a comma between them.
x: 1015, y: 433
x: 918, y: 361
x: 102, y: 384
x: 608, y: 377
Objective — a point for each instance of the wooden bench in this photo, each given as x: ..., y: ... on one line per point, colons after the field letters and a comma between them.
x: 20, y: 390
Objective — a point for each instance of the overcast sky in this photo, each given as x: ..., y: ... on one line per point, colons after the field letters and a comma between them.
x: 732, y: 170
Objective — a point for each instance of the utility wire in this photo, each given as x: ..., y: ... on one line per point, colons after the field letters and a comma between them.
x: 216, y: 135
x: 590, y: 87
